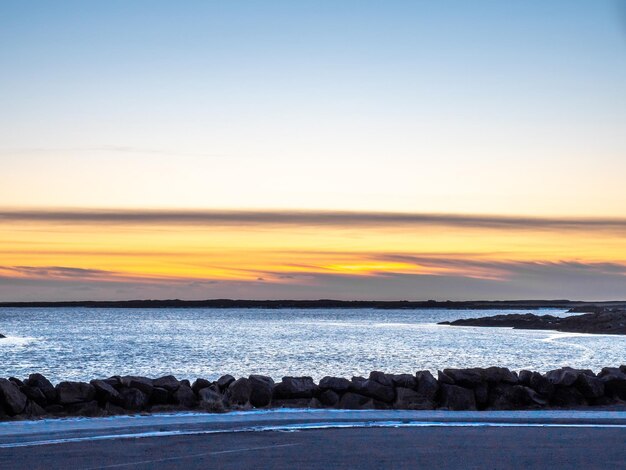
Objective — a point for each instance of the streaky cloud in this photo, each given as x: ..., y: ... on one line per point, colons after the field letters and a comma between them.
x: 307, y: 218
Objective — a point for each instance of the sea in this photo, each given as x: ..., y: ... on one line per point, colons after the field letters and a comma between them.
x: 83, y: 343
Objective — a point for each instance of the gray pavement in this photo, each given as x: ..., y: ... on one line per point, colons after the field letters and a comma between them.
x: 322, y: 439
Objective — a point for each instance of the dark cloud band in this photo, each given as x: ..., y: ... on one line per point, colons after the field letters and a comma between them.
x: 307, y: 218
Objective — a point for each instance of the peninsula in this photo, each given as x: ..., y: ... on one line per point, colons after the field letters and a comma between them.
x: 601, y: 321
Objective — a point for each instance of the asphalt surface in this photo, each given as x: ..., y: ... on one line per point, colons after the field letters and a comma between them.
x: 301, y: 440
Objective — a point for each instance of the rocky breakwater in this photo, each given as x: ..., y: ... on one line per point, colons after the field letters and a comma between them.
x: 493, y: 388
x: 601, y: 321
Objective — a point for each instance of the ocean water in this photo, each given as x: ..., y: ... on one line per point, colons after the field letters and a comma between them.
x: 81, y: 344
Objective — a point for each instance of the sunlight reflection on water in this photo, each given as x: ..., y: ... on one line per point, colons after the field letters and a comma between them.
x: 80, y: 344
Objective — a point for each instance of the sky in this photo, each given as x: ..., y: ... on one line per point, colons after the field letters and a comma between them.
x: 313, y: 149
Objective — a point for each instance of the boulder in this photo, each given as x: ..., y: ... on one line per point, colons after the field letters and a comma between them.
x: 168, y: 382
x: 134, y: 399
x: 160, y: 396
x: 524, y: 377
x: 456, y: 398
x: 16, y: 381
x: 590, y: 386
x: 337, y: 384
x: 90, y: 409
x: 355, y: 401
x: 541, y: 384
x: 329, y: 398
x: 564, y: 377
x: 12, y: 398
x: 261, y: 390
x: 43, y: 384
x: 70, y: 393
x: 33, y: 410
x: 105, y: 393
x: 143, y: 384
x: 500, y: 374
x: 199, y: 384
x: 224, y: 381
x: 296, y: 387
x: 567, y: 397
x: 481, y: 393
x: 238, y: 392
x: 405, y: 398
x: 427, y: 385
x: 34, y: 394
x: 443, y: 378
x: 465, y: 377
x: 381, y: 378
x: 514, y: 397
x: 614, y: 380
x: 184, y: 396
x: 404, y: 381
x: 210, y: 400
x: 374, y: 389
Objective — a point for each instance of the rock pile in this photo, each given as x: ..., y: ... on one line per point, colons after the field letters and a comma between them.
x: 493, y: 388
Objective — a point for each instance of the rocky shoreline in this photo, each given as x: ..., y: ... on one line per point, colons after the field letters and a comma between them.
x: 493, y: 388
x: 602, y: 321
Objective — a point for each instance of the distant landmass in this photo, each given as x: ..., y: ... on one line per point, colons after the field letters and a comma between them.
x: 601, y: 320
x: 575, y: 306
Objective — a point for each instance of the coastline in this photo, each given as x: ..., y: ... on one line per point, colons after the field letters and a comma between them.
x: 489, y: 389
x: 573, y: 305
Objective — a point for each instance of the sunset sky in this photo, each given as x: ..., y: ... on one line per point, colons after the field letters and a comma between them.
x: 313, y: 149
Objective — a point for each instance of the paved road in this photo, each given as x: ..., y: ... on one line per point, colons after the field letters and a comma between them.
x: 384, y: 440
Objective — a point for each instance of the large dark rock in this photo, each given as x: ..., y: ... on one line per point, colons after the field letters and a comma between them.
x: 404, y: 381
x: 134, y: 399
x: 563, y: 377
x: 614, y: 380
x: 524, y: 377
x: 295, y: 387
x: 33, y: 410
x: 184, y: 396
x: 427, y: 385
x: 70, y: 393
x: 224, y: 381
x: 35, y: 395
x: 106, y: 393
x: 261, y: 390
x: 541, y: 384
x: 210, y: 400
x: 168, y: 382
x: 43, y: 384
x: 160, y: 396
x: 140, y: 383
x: 381, y: 378
x: 567, y: 397
x: 590, y: 386
x: 355, y: 401
x: 12, y: 398
x: 514, y: 397
x: 409, y: 399
x: 443, y: 378
x: 456, y: 398
x: 329, y: 398
x: 337, y: 384
x: 199, y: 384
x: 373, y: 389
x: 238, y: 392
x: 89, y: 408
x: 465, y: 377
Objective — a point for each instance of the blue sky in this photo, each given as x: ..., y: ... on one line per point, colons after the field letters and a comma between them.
x: 490, y: 108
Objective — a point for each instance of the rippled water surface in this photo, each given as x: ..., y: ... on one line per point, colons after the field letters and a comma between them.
x: 80, y: 344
